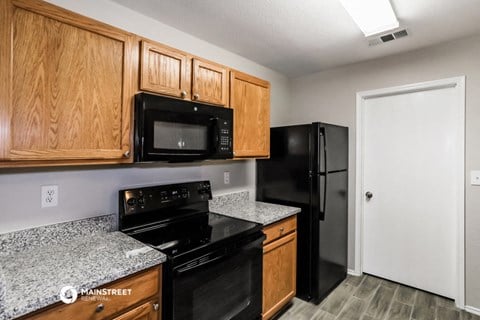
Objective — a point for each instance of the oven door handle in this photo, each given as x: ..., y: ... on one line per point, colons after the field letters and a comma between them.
x: 188, y: 268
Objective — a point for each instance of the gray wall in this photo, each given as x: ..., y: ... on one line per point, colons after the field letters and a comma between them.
x: 92, y: 191
x: 86, y: 192
x: 330, y: 96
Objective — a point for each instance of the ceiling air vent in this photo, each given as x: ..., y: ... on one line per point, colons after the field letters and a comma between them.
x: 373, y: 41
x: 400, y: 34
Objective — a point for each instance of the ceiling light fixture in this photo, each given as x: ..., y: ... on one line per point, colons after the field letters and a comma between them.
x: 371, y: 16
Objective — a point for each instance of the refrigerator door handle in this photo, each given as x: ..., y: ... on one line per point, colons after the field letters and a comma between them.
x: 323, y: 136
x: 322, y: 195
x: 323, y: 200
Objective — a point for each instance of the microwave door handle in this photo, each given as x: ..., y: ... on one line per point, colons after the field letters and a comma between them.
x: 216, y: 133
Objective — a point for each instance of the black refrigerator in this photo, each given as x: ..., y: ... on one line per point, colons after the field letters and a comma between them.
x: 308, y: 169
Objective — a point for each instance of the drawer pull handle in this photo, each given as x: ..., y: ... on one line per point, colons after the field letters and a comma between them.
x: 99, y: 308
x: 155, y: 306
x: 282, y: 229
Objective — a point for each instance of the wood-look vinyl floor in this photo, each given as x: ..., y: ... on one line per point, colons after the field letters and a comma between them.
x: 371, y: 298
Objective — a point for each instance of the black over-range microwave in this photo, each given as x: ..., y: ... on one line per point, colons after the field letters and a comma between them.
x: 168, y: 129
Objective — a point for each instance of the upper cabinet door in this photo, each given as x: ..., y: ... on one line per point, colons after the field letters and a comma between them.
x: 210, y: 83
x: 65, y: 85
x: 164, y: 70
x: 250, y: 100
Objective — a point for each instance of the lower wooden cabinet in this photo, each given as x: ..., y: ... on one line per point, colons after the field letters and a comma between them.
x: 146, y: 311
x: 143, y: 302
x: 279, y: 266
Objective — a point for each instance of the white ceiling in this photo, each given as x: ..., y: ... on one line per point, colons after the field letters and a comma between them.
x: 298, y: 37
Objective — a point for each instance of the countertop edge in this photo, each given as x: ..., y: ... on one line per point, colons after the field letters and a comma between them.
x: 287, y: 215
x: 263, y: 213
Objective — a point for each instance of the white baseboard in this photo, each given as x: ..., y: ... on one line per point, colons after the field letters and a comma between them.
x: 354, y: 273
x: 472, y: 310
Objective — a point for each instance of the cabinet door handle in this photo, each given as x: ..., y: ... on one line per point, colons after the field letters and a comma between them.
x: 183, y: 94
x: 99, y: 308
x: 126, y: 154
x: 196, y: 96
x: 156, y: 306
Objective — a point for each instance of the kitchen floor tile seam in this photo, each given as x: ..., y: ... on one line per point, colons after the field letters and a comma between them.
x: 377, y: 299
x: 413, y: 304
x: 400, y: 286
x: 337, y: 317
x: 390, y: 304
x: 323, y: 311
x: 367, y: 301
x: 352, y: 295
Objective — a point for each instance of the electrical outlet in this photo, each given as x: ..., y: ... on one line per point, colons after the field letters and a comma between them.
x: 49, y: 196
x: 226, y: 177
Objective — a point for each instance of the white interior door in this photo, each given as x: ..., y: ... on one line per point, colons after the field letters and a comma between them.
x: 411, y: 161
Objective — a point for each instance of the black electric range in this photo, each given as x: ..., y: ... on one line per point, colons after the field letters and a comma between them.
x: 209, y: 256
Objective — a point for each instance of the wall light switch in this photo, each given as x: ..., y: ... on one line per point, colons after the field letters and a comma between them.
x: 475, y: 177
x: 226, y: 177
x: 49, y: 196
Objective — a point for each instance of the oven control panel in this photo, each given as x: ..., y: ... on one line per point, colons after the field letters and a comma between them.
x: 146, y: 199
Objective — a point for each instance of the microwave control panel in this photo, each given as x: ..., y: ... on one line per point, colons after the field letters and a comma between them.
x: 225, y: 137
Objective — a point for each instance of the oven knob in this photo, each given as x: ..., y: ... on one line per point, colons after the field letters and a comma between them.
x: 141, y: 201
x: 131, y: 202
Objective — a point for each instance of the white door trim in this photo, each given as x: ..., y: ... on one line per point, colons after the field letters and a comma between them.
x: 455, y: 82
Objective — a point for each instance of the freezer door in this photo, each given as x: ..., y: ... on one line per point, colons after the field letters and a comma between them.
x: 331, y: 147
x: 284, y: 177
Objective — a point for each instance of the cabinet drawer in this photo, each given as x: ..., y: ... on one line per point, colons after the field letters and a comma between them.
x: 143, y: 286
x: 279, y: 229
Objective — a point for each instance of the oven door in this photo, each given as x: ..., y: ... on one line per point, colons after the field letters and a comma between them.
x: 223, y: 284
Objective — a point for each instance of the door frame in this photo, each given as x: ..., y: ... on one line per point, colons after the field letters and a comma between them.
x: 362, y: 97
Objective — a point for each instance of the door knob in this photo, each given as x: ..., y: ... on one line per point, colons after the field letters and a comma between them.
x: 369, y: 195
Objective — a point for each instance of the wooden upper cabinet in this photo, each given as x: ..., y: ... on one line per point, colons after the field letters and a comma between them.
x: 66, y: 88
x: 164, y: 70
x: 168, y: 71
x: 250, y: 100
x: 209, y: 82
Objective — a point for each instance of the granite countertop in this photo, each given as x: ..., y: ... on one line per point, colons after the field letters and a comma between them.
x: 238, y: 205
x: 31, y: 278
